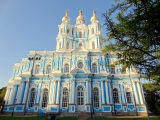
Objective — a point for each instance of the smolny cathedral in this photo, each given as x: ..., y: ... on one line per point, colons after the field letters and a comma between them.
x: 76, y: 77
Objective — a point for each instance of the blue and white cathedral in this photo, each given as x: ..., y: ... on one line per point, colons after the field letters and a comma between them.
x: 76, y: 77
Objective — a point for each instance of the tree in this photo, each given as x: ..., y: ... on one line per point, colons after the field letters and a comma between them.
x: 153, y: 101
x: 135, y: 35
x: 2, y: 94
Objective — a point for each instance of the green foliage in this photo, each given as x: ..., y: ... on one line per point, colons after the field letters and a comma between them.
x: 135, y: 36
x: 2, y: 94
x: 153, y: 101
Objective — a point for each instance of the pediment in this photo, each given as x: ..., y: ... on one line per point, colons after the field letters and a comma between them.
x: 77, y: 71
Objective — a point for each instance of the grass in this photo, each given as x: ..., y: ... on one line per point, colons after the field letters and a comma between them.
x: 33, y: 118
x: 123, y: 119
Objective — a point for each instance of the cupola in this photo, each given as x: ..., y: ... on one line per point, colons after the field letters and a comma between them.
x: 94, y: 18
x: 66, y: 18
x: 80, y: 18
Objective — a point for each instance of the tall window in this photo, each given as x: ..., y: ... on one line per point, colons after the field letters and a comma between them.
x: 45, y: 98
x: 93, y: 45
x: 61, y: 30
x: 115, y: 96
x: 48, y: 69
x: 112, y: 69
x: 67, y: 31
x: 80, y: 95
x: 37, y: 69
x: 94, y: 68
x: 95, y: 97
x: 92, y: 31
x: 80, y: 45
x: 80, y: 34
x: 65, y: 97
x: 59, y: 45
x: 32, y: 97
x: 67, y: 45
x: 128, y: 95
x: 66, y: 68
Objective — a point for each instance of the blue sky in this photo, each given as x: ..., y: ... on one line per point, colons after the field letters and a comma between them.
x: 27, y: 25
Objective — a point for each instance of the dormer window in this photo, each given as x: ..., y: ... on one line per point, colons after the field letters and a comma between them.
x: 80, y: 34
x: 67, y: 31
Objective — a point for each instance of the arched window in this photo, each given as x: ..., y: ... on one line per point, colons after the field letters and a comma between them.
x: 80, y: 95
x: 48, y: 69
x: 66, y: 68
x: 92, y: 31
x: 96, y: 97
x: 115, y: 96
x: 80, y: 34
x: 128, y: 96
x: 32, y: 97
x: 112, y: 69
x: 94, y: 68
x: 65, y: 97
x: 45, y: 98
x: 37, y: 69
x: 93, y: 45
x: 67, y: 45
x: 67, y: 31
x: 59, y: 45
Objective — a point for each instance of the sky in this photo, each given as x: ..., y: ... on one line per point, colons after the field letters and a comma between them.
x: 27, y: 25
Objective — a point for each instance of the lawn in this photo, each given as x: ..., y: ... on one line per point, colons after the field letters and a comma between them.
x: 32, y: 118
x: 122, y: 119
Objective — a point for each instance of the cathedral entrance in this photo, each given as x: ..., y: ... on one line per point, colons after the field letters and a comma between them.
x: 80, y: 98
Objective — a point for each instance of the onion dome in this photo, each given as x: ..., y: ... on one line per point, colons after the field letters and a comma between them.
x: 94, y: 18
x: 66, y: 18
x: 80, y: 18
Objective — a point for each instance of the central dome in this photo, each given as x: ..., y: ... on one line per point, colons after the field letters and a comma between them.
x: 80, y: 18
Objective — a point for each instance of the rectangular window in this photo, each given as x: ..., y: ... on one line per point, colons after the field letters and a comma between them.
x: 128, y: 95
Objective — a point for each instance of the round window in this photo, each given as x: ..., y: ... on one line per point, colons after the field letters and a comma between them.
x: 80, y: 65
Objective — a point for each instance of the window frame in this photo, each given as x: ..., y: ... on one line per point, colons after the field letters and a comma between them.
x: 37, y: 69
x: 93, y: 45
x: 94, y: 68
x: 80, y: 34
x: 45, y: 98
x: 129, y: 98
x: 96, y: 98
x: 115, y: 95
x: 32, y: 98
x: 66, y: 68
x: 64, y: 98
x: 48, y: 71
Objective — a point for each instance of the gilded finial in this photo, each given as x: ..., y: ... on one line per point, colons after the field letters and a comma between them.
x: 67, y: 13
x: 80, y: 12
x: 94, y: 13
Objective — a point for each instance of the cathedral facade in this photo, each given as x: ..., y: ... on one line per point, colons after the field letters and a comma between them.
x: 76, y: 77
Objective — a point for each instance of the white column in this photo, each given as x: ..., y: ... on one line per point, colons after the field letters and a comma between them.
x: 73, y: 90
x: 135, y: 92
x: 38, y: 92
x: 87, y: 96
x: 50, y: 92
x: 58, y: 89
x: 25, y: 92
x: 70, y: 92
x: 140, y: 92
x: 89, y: 91
x: 10, y: 98
x: 18, y: 93
x: 13, y: 95
x: 21, y: 91
x: 111, y: 93
x: 102, y: 92
x: 122, y: 92
x: 6, y: 95
x: 107, y: 96
x: 54, y: 92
